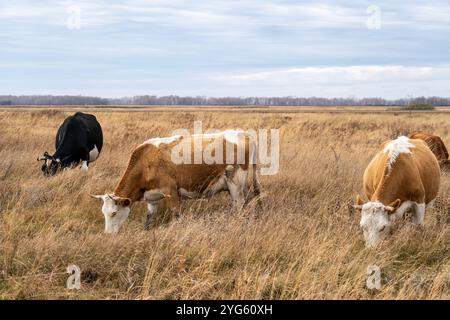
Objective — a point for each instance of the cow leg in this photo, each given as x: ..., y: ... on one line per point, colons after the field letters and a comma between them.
x: 170, y: 204
x: 84, y: 166
x: 84, y: 160
x: 164, y: 206
x: 419, y: 214
x: 411, y: 211
x: 151, y: 213
x: 218, y: 186
x: 236, y: 179
x: 183, y: 193
x: 430, y: 204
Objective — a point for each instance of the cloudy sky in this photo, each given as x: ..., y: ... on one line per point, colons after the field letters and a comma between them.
x: 115, y: 48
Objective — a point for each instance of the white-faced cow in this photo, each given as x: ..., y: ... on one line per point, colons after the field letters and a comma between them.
x: 153, y: 176
x: 402, y: 178
x: 79, y: 139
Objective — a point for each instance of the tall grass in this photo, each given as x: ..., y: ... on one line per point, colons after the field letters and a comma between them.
x: 305, y: 243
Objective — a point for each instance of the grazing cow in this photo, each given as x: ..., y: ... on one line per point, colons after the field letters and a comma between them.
x: 153, y: 176
x: 402, y: 178
x: 436, y: 145
x: 79, y: 138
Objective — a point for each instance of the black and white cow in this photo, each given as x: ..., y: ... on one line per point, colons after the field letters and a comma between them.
x: 79, y: 138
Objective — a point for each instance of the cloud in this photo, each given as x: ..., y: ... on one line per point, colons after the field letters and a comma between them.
x: 349, y: 74
x: 229, y: 14
x: 207, y: 46
x: 391, y: 81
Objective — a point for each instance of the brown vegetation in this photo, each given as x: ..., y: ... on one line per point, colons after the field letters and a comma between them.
x: 306, y: 244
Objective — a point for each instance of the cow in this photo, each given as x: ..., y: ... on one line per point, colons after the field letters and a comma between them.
x: 436, y: 145
x: 402, y: 179
x: 79, y: 138
x: 153, y: 176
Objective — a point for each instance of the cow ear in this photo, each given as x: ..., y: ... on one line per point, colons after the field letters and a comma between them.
x: 359, y: 203
x: 393, y: 206
x: 97, y: 196
x: 124, y: 202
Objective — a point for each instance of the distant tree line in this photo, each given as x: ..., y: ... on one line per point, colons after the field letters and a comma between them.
x: 223, y: 101
x: 52, y: 100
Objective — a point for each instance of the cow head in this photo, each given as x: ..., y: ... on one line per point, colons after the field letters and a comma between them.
x: 51, y: 164
x: 116, y: 210
x: 376, y: 219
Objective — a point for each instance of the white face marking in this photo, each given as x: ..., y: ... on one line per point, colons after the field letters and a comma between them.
x: 375, y: 222
x: 157, y: 141
x: 93, y: 154
x: 396, y: 147
x: 84, y: 166
x: 115, y: 215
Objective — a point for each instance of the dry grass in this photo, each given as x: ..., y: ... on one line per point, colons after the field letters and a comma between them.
x: 306, y: 244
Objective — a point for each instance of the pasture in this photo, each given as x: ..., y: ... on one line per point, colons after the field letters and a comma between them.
x: 305, y: 243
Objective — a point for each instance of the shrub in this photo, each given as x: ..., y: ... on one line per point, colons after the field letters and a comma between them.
x: 418, y: 106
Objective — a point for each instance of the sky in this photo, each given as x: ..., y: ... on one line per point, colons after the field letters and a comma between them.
x: 116, y: 48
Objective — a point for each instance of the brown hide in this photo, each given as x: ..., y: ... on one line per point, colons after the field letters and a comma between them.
x: 435, y: 143
x: 151, y: 167
x: 414, y: 176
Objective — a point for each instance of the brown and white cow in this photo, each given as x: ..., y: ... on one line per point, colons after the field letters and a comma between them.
x: 153, y: 176
x: 402, y: 178
x: 436, y: 145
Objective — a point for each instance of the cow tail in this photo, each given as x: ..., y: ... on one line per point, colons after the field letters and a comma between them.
x: 256, y: 185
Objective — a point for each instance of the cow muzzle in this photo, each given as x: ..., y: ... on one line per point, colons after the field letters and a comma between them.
x: 45, y: 157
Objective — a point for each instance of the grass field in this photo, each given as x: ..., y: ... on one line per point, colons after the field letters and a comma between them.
x: 306, y: 243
